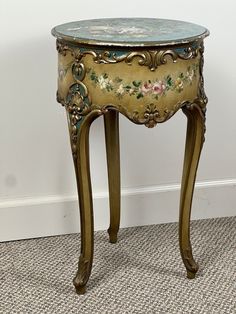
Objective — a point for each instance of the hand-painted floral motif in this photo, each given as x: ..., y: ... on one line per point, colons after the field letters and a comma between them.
x: 139, y: 88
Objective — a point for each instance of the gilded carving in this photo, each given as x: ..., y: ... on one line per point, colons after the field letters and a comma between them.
x: 62, y: 48
x: 154, y: 58
x: 151, y: 116
x: 150, y: 58
x: 77, y: 103
x: 201, y: 93
x: 198, y: 104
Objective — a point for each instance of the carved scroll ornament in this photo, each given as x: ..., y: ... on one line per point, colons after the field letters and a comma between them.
x: 77, y: 103
x: 150, y: 58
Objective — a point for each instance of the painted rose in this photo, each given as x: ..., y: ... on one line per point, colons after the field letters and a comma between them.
x: 158, y: 88
x: 146, y: 88
x: 154, y: 88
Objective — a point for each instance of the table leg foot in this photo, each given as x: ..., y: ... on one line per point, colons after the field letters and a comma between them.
x: 112, y: 236
x: 190, y: 275
x: 83, y: 273
x: 80, y: 290
x: 190, y: 264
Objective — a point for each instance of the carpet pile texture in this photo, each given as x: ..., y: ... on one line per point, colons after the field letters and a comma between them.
x: 142, y: 273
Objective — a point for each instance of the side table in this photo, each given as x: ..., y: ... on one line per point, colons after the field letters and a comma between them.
x: 145, y: 69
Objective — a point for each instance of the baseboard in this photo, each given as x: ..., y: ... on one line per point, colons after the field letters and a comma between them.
x: 55, y: 215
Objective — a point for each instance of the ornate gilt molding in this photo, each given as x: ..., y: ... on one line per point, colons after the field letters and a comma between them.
x: 201, y: 92
x: 154, y: 58
x: 62, y: 48
x: 77, y: 103
x: 202, y: 110
x: 150, y: 58
x: 152, y: 115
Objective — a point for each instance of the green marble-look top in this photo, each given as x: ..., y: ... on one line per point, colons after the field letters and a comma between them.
x: 130, y: 32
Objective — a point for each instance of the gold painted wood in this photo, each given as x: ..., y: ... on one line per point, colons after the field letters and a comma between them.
x: 111, y: 81
x: 148, y: 85
x: 111, y: 123
x: 82, y: 170
x: 194, y: 143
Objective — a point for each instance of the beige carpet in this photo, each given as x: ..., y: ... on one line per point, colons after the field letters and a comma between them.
x: 142, y: 273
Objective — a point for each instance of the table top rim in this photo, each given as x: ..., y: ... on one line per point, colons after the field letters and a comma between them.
x: 139, y: 43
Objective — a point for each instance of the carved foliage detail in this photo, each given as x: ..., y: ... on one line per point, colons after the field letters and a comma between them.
x: 201, y: 109
x: 201, y: 92
x: 150, y: 58
x: 154, y: 58
x: 152, y: 115
x: 77, y: 102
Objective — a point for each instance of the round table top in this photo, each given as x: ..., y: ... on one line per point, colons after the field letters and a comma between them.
x: 133, y: 32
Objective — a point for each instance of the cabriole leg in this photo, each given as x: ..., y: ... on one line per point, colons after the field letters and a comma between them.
x: 194, y: 142
x: 80, y: 148
x: 111, y: 123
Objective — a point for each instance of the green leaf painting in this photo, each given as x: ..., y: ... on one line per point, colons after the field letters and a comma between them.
x: 138, y: 88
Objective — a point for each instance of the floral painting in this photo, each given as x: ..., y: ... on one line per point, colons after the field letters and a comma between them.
x: 138, y: 88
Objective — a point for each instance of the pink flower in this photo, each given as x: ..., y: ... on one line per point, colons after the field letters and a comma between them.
x: 158, y: 87
x: 146, y: 88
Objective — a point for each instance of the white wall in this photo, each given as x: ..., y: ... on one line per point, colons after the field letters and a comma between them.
x: 37, y: 183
